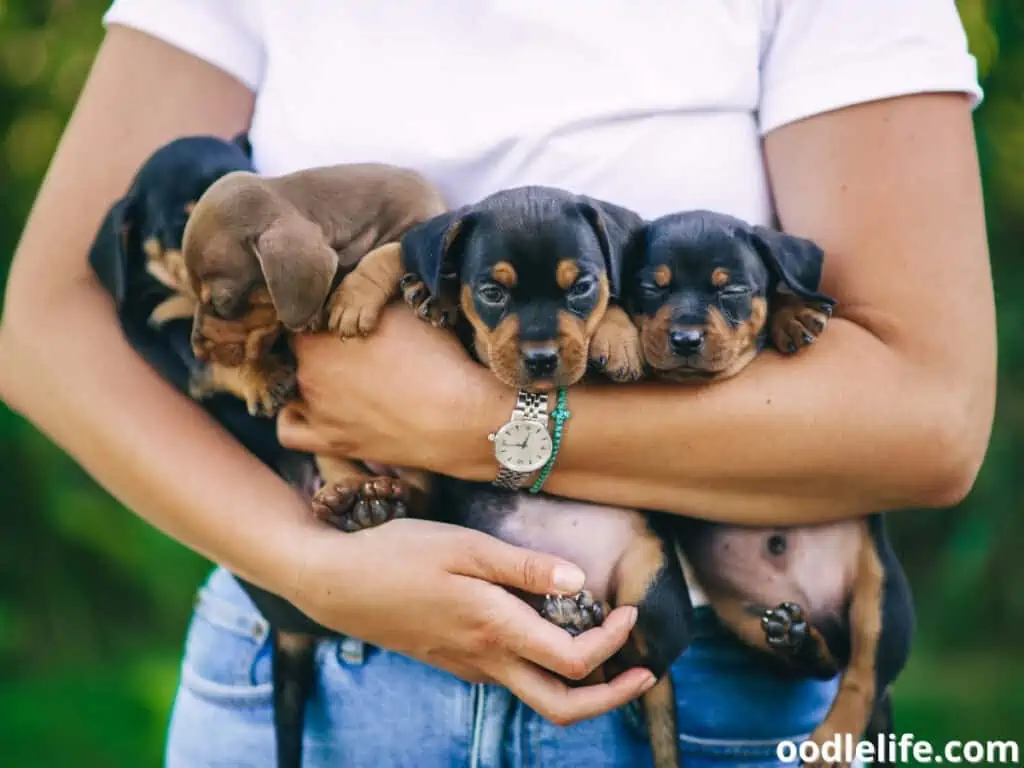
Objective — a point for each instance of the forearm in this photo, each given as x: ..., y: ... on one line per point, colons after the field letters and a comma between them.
x: 71, y: 373
x: 852, y: 426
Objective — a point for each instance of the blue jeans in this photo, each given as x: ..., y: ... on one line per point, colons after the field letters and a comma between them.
x: 377, y: 709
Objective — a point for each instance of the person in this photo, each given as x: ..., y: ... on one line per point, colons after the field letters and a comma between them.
x: 849, y: 120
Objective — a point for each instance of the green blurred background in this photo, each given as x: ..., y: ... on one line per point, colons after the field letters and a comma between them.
x: 94, y: 603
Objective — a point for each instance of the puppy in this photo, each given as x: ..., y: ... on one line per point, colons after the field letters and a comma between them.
x: 707, y: 291
x: 136, y: 254
x: 529, y: 279
x: 262, y: 256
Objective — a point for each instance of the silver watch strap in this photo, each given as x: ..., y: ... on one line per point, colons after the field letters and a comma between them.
x: 530, y: 406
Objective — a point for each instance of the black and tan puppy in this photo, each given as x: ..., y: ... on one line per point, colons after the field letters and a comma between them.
x: 262, y: 257
x: 136, y: 254
x: 707, y: 292
x: 530, y: 279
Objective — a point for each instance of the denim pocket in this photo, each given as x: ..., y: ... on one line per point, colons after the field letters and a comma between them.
x: 227, y: 650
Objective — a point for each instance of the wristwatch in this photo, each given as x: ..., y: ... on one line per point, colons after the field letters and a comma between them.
x: 522, y: 445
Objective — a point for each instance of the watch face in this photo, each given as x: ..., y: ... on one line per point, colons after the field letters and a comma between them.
x: 522, y: 446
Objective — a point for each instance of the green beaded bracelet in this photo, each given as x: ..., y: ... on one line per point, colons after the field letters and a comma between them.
x: 561, y: 414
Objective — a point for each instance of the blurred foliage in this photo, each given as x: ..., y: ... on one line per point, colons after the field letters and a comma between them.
x: 93, y: 602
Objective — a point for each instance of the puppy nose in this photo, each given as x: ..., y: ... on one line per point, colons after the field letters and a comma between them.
x: 686, y: 341
x: 541, y: 363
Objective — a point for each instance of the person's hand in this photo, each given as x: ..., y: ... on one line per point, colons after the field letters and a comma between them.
x: 409, y: 396
x: 429, y: 591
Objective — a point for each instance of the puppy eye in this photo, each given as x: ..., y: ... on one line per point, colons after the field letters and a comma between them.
x: 493, y: 294
x: 582, y: 287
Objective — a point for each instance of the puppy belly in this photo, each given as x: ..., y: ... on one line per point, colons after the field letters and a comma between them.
x: 593, y: 537
x: 813, y: 566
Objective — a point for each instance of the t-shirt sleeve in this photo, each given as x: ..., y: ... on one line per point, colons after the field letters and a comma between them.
x: 224, y: 33
x: 821, y: 55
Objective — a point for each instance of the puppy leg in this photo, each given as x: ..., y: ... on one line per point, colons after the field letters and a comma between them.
x: 293, y: 664
x: 177, y: 307
x: 352, y: 500
x: 615, y: 347
x: 782, y: 631
x: 355, y: 306
x: 265, y: 387
x: 854, y: 703
x: 649, y: 577
x: 796, y: 323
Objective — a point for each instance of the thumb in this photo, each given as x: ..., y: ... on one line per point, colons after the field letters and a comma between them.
x: 496, y: 561
x: 296, y: 432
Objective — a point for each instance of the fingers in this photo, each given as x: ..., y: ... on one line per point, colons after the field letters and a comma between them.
x: 562, y: 705
x: 295, y: 430
x: 485, y: 557
x: 535, y: 639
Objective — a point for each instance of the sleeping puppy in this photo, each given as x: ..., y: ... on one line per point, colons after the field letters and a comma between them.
x: 530, y: 277
x: 136, y: 254
x: 706, y: 291
x: 262, y: 256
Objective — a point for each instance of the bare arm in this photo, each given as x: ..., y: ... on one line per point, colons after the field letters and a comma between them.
x: 64, y: 362
x: 893, y: 406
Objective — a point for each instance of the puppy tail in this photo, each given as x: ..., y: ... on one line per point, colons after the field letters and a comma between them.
x: 659, y: 706
x: 294, y: 672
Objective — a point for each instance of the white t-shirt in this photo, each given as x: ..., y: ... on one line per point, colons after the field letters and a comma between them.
x: 658, y: 105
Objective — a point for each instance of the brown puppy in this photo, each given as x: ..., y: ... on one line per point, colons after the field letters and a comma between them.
x: 262, y: 257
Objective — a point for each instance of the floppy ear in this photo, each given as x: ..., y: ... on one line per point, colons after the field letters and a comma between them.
x: 299, y: 270
x: 108, y: 256
x: 793, y: 262
x: 615, y: 227
x: 431, y: 249
x: 632, y: 262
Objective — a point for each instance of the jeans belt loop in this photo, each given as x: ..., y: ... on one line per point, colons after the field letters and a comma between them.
x: 351, y: 650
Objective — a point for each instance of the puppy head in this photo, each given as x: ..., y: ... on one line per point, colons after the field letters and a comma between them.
x: 250, y: 286
x: 532, y: 270
x: 702, y: 287
x: 151, y: 218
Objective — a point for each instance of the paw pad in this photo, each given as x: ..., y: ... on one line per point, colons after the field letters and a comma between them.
x: 785, y: 627
x: 573, y: 613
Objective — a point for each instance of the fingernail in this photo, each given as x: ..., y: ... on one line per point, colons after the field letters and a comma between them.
x: 567, y: 578
x: 648, y: 683
x: 632, y: 614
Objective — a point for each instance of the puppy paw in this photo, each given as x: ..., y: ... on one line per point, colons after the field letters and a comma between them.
x: 360, y: 504
x: 355, y: 306
x: 615, y: 351
x: 796, y: 324
x: 200, y: 383
x: 279, y: 387
x: 575, y: 613
x: 785, y: 628
x: 429, y: 308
